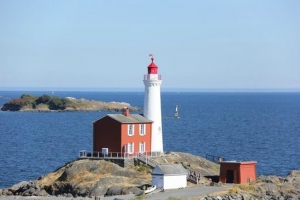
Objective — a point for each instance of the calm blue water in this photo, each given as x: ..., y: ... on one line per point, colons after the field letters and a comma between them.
x: 240, y: 126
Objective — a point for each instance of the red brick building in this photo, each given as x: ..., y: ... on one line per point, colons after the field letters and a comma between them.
x: 237, y: 172
x: 122, y: 135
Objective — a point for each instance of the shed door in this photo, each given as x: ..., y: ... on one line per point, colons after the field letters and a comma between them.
x: 230, y: 176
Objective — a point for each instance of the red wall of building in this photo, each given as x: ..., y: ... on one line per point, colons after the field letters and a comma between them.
x: 137, y: 138
x: 106, y: 134
x: 248, y: 171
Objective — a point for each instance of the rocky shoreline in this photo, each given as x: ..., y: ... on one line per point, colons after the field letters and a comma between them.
x: 87, y: 178
x: 265, y: 187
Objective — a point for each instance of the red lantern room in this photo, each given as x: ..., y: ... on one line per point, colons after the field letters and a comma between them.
x: 152, y: 68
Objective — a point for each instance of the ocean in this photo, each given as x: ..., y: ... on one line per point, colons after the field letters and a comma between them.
x: 263, y: 127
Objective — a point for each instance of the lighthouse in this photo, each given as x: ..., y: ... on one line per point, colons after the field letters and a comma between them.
x: 152, y: 105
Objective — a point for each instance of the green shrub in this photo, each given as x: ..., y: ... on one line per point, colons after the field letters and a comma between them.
x: 29, y: 97
x: 143, y: 168
x: 56, y: 103
x: 45, y: 99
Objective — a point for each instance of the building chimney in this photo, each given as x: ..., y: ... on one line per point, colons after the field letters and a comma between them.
x: 126, y: 112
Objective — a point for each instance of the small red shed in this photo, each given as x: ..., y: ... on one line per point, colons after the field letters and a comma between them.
x: 122, y: 135
x: 237, y: 172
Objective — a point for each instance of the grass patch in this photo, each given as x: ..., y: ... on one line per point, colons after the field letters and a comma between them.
x: 237, y: 189
x: 143, y: 169
x: 216, y: 168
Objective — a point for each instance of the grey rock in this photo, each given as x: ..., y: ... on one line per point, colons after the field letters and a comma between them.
x: 28, y: 192
x: 110, y: 180
x: 72, y: 170
x: 294, y: 173
x: 271, y: 189
x: 89, y: 166
x: 245, y: 196
x: 7, y: 192
x: 138, y: 181
x: 125, y: 173
x: 99, y: 189
x: 119, y: 190
x: 287, y: 186
x: 114, y: 190
x: 41, y: 192
x: 68, y: 195
x: 131, y: 190
x: 19, y: 186
x: 24, y: 188
x: 294, y: 178
x: 81, y: 191
x: 219, y: 198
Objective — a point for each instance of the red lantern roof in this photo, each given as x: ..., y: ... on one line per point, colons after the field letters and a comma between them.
x: 152, y: 68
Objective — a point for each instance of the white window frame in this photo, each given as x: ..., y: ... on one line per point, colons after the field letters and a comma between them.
x: 130, y: 128
x: 142, y: 147
x: 142, y: 129
x: 130, y: 148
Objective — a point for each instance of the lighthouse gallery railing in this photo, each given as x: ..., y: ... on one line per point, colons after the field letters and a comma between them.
x: 148, y: 77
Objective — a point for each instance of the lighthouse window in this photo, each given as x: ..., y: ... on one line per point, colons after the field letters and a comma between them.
x: 130, y: 148
x: 130, y: 129
x: 142, y: 129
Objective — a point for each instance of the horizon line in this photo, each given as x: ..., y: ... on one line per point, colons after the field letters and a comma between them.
x: 94, y: 89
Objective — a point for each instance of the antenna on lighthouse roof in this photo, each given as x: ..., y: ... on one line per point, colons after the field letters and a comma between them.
x: 151, y: 55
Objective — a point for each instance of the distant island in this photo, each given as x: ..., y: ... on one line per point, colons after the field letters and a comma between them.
x: 54, y: 103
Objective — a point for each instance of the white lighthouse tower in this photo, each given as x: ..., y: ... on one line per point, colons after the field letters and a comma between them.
x: 152, y: 105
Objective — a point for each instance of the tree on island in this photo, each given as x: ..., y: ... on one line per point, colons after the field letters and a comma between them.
x: 31, y: 102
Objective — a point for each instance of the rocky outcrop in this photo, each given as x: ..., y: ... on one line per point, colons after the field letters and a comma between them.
x: 191, y: 162
x: 87, y: 178
x: 117, y: 190
x: 231, y: 197
x: 265, y: 187
x: 25, y: 188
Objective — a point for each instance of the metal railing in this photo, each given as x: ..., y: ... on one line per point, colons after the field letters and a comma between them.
x: 193, y: 177
x: 215, y: 159
x: 148, y: 77
x: 148, y: 161
x: 120, y: 155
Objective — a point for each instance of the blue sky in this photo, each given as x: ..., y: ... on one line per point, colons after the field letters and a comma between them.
x: 198, y: 45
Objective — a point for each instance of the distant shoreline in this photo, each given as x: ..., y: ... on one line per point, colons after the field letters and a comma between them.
x: 229, y: 90
x: 47, y: 103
